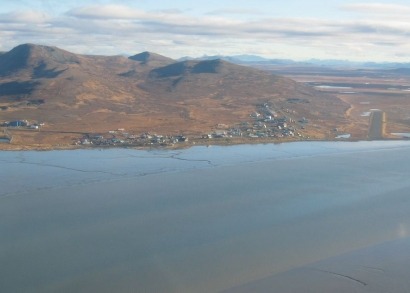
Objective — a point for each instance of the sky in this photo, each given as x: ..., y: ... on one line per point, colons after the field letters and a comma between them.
x: 356, y: 30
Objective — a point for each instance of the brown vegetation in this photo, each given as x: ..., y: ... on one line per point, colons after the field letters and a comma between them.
x: 147, y: 92
x: 366, y: 89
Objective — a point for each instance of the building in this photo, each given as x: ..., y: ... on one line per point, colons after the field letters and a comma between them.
x: 17, y: 123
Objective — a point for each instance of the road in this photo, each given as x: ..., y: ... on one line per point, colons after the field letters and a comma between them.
x: 377, y: 125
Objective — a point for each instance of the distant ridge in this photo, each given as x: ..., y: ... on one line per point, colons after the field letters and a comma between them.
x: 254, y: 60
x: 403, y: 71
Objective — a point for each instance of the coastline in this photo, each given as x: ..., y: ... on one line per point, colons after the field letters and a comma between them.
x: 183, y: 145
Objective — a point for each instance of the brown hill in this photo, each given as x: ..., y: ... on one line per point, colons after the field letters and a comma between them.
x: 218, y: 79
x: 39, y: 61
x: 152, y: 59
x: 146, y: 92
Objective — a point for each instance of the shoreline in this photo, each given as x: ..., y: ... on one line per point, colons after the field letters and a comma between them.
x: 184, y: 145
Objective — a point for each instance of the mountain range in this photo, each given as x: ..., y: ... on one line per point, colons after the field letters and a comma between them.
x: 144, y: 92
x: 329, y: 63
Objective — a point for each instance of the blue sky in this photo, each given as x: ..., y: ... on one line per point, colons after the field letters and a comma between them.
x: 292, y: 29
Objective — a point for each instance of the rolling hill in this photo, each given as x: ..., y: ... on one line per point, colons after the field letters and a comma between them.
x: 145, y: 92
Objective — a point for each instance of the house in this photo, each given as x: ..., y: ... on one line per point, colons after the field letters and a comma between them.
x: 4, y: 139
x: 181, y: 138
x: 219, y: 134
x: 17, y: 123
x: 273, y: 113
x: 255, y: 115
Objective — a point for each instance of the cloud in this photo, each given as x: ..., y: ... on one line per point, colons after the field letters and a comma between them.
x: 377, y: 8
x: 105, y: 12
x: 25, y: 16
x: 235, y: 11
x: 379, y: 27
x: 179, y: 33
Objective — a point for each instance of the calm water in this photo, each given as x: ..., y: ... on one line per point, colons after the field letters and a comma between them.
x: 195, y: 220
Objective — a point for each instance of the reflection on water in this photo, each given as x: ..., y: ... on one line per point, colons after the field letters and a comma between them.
x: 194, y: 220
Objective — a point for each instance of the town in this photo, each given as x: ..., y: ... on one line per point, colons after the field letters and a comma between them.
x: 265, y: 122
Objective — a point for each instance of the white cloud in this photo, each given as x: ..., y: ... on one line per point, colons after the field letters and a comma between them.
x: 378, y: 8
x: 25, y: 16
x: 106, y: 12
x: 236, y: 11
x: 177, y: 33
